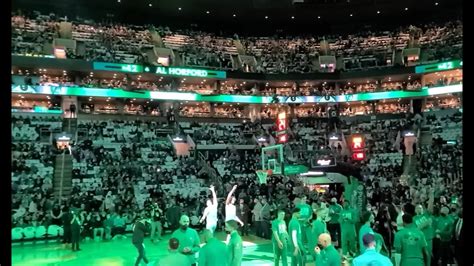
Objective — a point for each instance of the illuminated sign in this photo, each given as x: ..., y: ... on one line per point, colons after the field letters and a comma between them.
x: 295, y: 169
x: 282, y: 138
x: 281, y: 128
x: 358, y: 156
x: 357, y: 142
x: 129, y: 68
x: 281, y: 122
x: 321, y: 160
x: 312, y: 173
x: 188, y: 96
x: 161, y: 70
x: 38, y: 109
x: 357, y: 146
x: 186, y: 72
x: 177, y: 139
x: 324, y: 162
x: 439, y: 66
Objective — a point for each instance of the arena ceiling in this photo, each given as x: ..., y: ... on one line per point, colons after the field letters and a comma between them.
x: 256, y: 14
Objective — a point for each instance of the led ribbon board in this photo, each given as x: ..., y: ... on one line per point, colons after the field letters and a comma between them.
x: 438, y: 67
x: 181, y: 96
x: 186, y: 72
x: 371, y: 96
x: 128, y: 68
x: 163, y: 71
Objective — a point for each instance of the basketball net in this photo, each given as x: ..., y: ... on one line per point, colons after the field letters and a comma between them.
x: 262, y: 176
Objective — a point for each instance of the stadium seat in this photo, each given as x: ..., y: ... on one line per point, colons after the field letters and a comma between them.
x: 17, y: 233
x: 60, y: 231
x: 53, y: 231
x: 40, y: 232
x: 29, y: 232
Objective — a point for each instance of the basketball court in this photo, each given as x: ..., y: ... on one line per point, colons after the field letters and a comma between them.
x: 257, y: 251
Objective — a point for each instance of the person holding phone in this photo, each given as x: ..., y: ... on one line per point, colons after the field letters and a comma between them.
x: 75, y: 231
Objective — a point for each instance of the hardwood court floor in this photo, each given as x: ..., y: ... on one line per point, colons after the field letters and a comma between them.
x: 257, y: 252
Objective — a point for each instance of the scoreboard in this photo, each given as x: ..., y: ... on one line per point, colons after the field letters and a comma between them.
x: 358, y: 147
x: 282, y: 128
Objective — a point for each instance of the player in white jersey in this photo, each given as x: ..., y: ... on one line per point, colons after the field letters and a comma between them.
x: 210, y: 212
x: 230, y: 209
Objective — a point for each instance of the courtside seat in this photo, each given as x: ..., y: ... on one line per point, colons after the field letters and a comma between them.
x: 40, y: 232
x: 17, y: 233
x: 29, y: 232
x: 60, y: 231
x: 53, y: 231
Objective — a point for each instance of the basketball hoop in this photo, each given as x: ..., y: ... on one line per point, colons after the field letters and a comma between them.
x: 263, y: 174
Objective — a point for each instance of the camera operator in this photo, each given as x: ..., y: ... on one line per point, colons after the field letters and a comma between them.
x: 156, y: 215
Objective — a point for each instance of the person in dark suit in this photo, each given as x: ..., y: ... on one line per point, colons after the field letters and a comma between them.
x: 139, y: 230
x: 72, y: 110
x: 459, y: 240
x: 75, y: 230
x: 243, y: 212
x: 66, y: 219
x: 173, y: 213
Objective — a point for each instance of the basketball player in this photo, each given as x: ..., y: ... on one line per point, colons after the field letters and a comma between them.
x: 230, y: 209
x: 210, y: 213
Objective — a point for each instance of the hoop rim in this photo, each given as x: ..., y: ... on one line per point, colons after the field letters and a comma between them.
x: 267, y: 171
